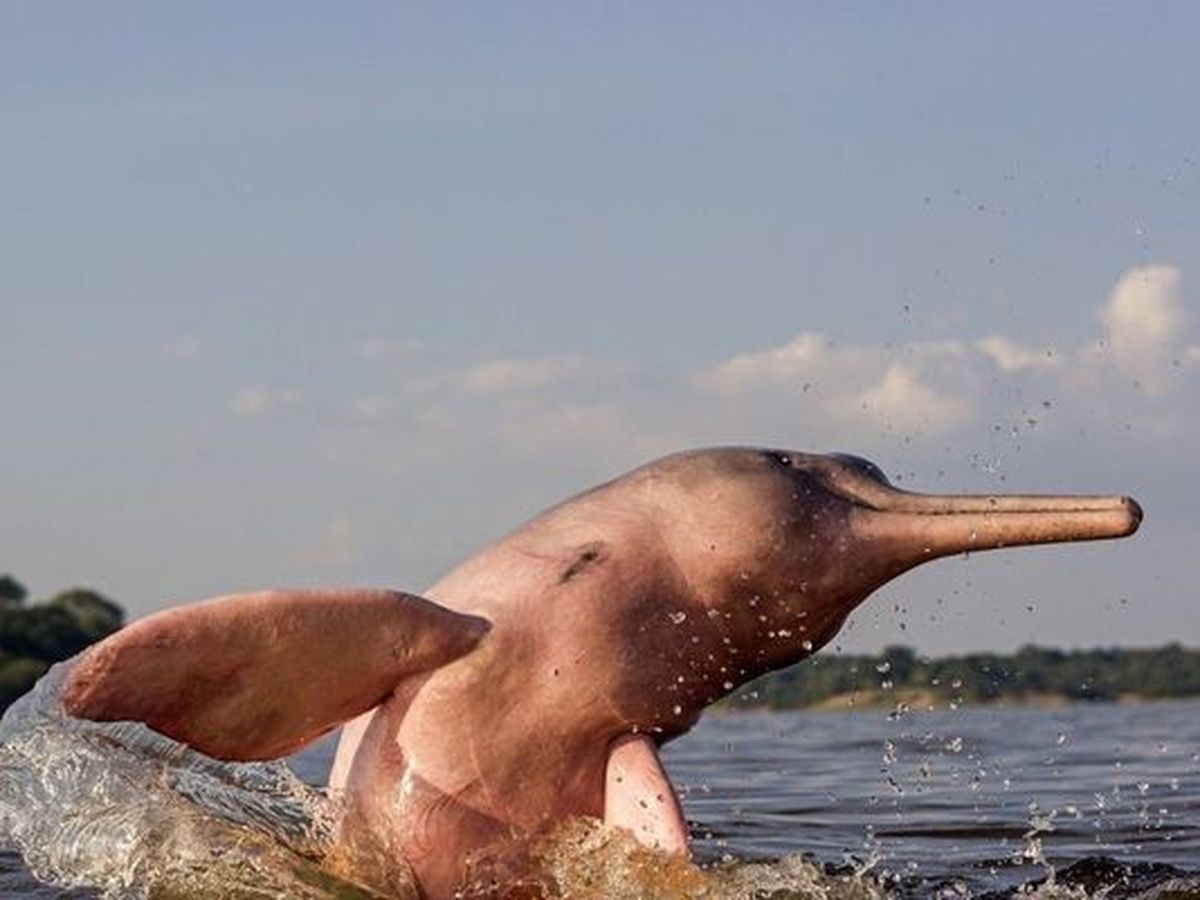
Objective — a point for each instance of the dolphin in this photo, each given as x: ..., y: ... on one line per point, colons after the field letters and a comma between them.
x: 537, y: 680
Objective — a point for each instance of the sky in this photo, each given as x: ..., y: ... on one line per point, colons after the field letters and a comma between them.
x: 321, y: 294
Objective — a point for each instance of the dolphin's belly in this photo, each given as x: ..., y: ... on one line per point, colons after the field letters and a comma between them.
x: 467, y: 762
x: 501, y: 744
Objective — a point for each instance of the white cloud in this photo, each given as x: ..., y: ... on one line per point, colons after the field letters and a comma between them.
x: 1013, y: 357
x: 515, y: 374
x: 805, y: 357
x: 520, y: 376
x: 261, y: 400
x: 807, y: 392
x: 856, y: 389
x: 813, y: 358
x: 524, y: 407
x: 903, y: 402
x: 563, y: 429
x: 1145, y: 323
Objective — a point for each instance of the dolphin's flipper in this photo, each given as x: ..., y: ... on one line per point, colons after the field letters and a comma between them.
x: 638, y: 796
x: 258, y: 676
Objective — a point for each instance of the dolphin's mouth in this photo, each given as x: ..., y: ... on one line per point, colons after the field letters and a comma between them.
x: 941, y: 524
x: 952, y: 524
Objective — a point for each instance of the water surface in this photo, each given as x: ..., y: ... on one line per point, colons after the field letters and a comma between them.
x: 1098, y: 799
x: 982, y: 799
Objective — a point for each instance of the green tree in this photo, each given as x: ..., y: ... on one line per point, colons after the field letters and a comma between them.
x: 35, y: 636
x: 42, y: 632
x: 898, y: 663
x: 17, y: 675
x: 12, y: 592
x: 96, y: 614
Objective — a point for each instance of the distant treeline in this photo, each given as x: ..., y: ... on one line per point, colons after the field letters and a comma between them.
x: 1031, y: 674
x: 33, y: 636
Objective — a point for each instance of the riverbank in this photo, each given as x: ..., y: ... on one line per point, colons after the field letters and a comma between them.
x: 1032, y: 677
x: 929, y: 701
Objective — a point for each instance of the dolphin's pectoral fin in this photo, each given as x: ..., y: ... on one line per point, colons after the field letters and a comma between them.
x: 260, y: 675
x: 638, y: 796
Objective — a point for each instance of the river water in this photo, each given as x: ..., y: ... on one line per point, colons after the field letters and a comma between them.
x: 1092, y: 800
x: 971, y: 800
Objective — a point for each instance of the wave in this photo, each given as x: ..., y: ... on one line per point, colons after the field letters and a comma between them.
x: 115, y: 810
x: 130, y: 813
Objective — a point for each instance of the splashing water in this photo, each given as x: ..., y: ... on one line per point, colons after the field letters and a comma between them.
x: 584, y: 858
x: 937, y: 807
x: 122, y: 809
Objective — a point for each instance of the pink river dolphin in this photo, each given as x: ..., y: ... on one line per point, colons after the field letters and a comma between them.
x: 537, y: 680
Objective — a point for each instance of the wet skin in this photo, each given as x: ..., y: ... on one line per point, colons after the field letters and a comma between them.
x: 627, y: 610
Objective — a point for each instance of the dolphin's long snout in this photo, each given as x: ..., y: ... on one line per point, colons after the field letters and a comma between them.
x: 925, y: 526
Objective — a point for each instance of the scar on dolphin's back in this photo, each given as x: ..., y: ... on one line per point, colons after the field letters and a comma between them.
x: 588, y: 556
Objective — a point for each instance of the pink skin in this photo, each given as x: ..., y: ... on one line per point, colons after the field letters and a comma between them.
x: 251, y: 676
x: 560, y: 658
x: 619, y: 615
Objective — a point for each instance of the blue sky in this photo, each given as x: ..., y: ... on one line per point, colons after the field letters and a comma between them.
x: 317, y: 294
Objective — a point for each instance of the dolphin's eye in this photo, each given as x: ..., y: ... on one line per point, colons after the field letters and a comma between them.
x: 781, y: 459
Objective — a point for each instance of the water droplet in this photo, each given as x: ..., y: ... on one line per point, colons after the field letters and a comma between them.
x: 678, y: 617
x: 900, y: 710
